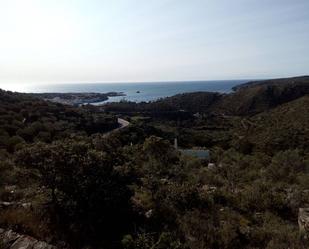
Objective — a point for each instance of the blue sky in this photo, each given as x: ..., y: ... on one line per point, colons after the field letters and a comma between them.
x: 63, y: 41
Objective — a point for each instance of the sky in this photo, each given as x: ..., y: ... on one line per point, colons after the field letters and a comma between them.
x: 70, y: 41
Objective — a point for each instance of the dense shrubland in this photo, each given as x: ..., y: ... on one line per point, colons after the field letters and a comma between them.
x: 132, y: 189
x: 149, y: 196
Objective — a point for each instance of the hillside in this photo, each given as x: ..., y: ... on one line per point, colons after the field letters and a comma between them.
x: 63, y: 180
x: 25, y: 119
x: 193, y: 102
x: 249, y: 99
x: 257, y: 97
x: 292, y: 80
x: 282, y: 128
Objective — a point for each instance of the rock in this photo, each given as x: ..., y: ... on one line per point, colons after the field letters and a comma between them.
x: 5, y: 204
x: 26, y: 205
x: 164, y: 180
x: 191, y: 238
x: 24, y: 242
x: 303, y: 222
x: 10, y: 188
x: 149, y: 213
x: 8, y: 238
x: 208, y: 189
x: 12, y: 240
x: 43, y: 245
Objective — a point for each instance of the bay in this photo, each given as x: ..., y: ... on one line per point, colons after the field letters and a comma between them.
x: 141, y: 91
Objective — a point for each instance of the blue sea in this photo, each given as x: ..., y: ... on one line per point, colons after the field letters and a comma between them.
x: 138, y: 92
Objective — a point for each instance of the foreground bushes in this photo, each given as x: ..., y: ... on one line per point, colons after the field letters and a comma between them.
x: 101, y: 193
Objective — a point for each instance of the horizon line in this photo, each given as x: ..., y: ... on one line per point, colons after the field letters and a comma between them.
x: 159, y: 81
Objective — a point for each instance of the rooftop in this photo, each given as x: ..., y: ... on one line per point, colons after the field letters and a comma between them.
x: 199, y: 153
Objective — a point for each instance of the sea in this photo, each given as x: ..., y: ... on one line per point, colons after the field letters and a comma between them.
x: 142, y: 91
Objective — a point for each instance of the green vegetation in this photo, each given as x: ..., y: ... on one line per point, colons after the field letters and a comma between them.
x: 132, y: 189
x: 24, y: 119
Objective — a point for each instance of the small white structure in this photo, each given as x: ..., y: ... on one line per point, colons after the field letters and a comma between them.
x: 211, y: 166
x: 198, y: 153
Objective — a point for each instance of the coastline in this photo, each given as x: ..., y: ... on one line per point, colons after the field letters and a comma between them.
x: 77, y: 99
x: 132, y: 92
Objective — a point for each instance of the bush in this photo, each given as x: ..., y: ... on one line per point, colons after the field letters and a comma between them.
x: 84, y: 185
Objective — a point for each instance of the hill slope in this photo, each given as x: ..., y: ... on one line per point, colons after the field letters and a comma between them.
x: 25, y: 119
x: 256, y: 97
x: 292, y: 80
x: 284, y: 127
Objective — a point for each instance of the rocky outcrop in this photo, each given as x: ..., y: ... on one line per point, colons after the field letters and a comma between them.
x: 7, y: 204
x: 303, y: 222
x: 12, y: 240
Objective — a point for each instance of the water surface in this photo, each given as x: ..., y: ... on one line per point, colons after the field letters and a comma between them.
x: 139, y: 92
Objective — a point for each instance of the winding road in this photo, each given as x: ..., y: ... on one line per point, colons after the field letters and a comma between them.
x: 122, y: 124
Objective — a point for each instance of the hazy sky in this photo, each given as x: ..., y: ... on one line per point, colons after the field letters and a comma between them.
x: 50, y: 41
